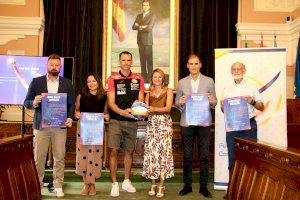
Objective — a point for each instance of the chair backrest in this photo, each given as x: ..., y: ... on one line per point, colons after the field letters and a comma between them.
x: 175, y: 113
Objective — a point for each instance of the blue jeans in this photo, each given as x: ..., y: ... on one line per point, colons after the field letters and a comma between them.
x: 251, y: 134
x: 202, y: 134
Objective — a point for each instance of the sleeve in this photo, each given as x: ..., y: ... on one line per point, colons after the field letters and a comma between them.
x: 28, y: 102
x: 110, y: 86
x: 213, y: 92
x: 71, y: 100
x: 134, y: 27
x: 179, y: 93
x: 142, y: 84
x: 257, y: 96
x: 150, y: 24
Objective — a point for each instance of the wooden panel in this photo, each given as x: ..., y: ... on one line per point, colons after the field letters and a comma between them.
x: 266, y: 172
x: 19, y: 179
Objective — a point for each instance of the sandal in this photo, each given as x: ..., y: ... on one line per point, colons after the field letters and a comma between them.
x: 152, y: 191
x: 92, y: 190
x: 85, y: 189
x: 160, y: 192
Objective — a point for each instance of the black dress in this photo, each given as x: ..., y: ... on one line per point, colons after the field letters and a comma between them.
x: 89, y: 157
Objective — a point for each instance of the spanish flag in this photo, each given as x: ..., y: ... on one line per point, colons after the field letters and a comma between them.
x: 119, y: 18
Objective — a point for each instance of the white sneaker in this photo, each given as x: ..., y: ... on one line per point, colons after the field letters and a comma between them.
x: 59, y: 192
x: 114, y: 189
x: 126, y: 185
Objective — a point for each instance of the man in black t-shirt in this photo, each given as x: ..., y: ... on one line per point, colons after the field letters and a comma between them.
x: 123, y: 89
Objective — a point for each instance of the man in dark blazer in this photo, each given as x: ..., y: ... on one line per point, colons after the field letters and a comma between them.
x: 50, y: 83
x: 144, y: 23
x: 195, y: 83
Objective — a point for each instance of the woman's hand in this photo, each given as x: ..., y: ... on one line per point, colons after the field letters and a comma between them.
x: 106, y: 117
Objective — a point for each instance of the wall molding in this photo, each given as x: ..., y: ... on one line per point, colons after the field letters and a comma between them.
x: 284, y: 32
x: 14, y: 28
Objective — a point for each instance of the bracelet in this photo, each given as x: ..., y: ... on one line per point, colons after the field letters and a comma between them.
x: 253, y: 102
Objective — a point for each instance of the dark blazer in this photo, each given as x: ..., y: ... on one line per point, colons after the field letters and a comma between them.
x: 38, y: 86
x: 144, y: 37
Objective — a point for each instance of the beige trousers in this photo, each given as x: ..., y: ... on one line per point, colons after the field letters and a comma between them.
x: 57, y: 137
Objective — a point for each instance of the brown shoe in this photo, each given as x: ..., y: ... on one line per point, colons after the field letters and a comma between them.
x: 85, y: 190
x: 92, y: 190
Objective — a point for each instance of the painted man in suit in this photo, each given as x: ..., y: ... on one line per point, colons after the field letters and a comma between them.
x: 195, y: 83
x: 144, y: 23
x: 50, y: 83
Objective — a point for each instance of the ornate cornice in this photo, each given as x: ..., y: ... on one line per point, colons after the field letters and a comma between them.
x: 285, y: 32
x: 13, y: 28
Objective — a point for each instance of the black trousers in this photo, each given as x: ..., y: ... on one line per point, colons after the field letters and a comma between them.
x: 146, y: 59
x: 202, y: 134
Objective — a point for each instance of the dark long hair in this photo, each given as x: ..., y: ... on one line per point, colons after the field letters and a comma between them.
x: 100, y: 91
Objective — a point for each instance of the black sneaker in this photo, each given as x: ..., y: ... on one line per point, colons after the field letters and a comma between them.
x: 50, y: 187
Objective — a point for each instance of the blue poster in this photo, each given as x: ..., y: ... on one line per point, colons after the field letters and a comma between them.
x: 91, y: 128
x: 236, y: 114
x: 197, y: 110
x: 54, y: 110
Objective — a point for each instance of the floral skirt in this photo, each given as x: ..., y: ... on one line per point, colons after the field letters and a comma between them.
x: 158, y: 156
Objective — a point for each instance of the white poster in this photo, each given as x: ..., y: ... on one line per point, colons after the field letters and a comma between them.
x: 266, y: 68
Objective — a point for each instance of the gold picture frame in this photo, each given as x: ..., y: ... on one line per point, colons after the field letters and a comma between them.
x: 109, y: 46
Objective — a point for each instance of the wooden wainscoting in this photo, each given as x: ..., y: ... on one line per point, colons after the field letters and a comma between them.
x: 262, y: 171
x: 19, y: 179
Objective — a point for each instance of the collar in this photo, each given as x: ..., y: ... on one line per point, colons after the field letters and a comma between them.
x: 199, y: 76
x: 241, y: 83
x: 124, y: 75
x: 145, y: 13
x: 56, y: 80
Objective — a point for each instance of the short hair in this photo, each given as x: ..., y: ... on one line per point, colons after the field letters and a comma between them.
x: 193, y: 55
x: 240, y: 63
x: 164, y: 81
x: 124, y: 52
x: 54, y: 56
x: 146, y: 1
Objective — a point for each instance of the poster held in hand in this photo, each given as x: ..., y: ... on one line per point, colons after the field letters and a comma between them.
x: 91, y: 128
x: 236, y: 114
x: 54, y: 110
x: 197, y: 110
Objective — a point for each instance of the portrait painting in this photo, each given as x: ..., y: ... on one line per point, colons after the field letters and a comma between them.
x: 146, y: 28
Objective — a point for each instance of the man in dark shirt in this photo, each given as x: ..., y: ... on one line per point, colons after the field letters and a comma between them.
x: 123, y: 89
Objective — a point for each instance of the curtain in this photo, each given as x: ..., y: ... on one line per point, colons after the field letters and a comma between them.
x: 74, y: 28
x: 204, y: 26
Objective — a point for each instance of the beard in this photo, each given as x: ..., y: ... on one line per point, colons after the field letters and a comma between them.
x: 237, y: 77
x: 53, y: 73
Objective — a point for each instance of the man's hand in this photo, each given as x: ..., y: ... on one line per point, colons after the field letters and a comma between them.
x: 182, y: 100
x: 127, y: 113
x: 69, y: 122
x: 211, y: 99
x: 37, y: 100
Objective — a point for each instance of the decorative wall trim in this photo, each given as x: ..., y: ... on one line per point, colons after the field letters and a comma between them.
x: 13, y: 2
x: 13, y: 28
x: 285, y: 32
x: 276, y: 6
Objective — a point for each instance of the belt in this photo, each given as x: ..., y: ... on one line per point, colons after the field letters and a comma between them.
x: 252, y: 119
